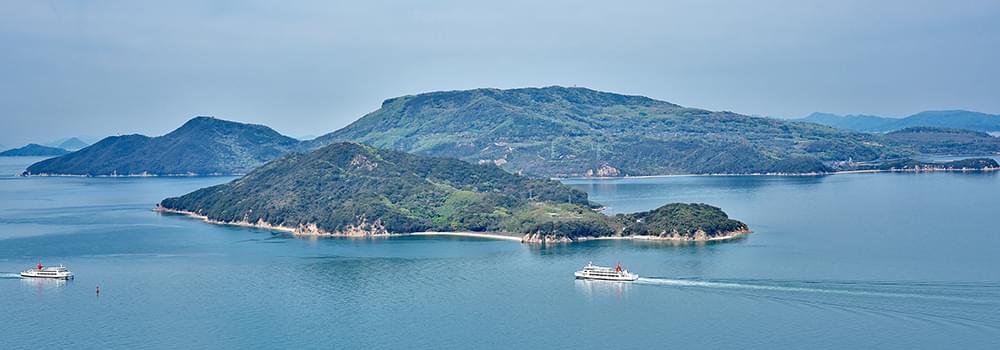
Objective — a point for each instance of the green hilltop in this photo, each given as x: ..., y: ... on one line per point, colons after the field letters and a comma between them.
x: 202, y: 146
x: 560, y: 131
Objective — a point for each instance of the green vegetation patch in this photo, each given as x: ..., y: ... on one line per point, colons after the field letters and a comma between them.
x: 345, y: 185
x: 558, y: 131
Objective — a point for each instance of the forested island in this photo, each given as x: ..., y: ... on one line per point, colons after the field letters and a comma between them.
x: 577, y: 132
x: 350, y: 189
x: 567, y: 131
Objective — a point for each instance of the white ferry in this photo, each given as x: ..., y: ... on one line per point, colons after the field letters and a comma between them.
x: 57, y: 272
x: 594, y: 272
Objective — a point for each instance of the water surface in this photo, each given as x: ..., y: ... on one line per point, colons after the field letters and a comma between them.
x: 893, y: 261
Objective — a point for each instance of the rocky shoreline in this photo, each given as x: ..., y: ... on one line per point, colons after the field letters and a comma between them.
x: 375, y: 230
x: 363, y: 230
x: 700, y: 236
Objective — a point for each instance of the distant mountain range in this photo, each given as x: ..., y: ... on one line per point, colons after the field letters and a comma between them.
x: 349, y: 189
x: 58, y: 148
x: 202, y: 146
x: 956, y: 119
x: 559, y: 131
x: 546, y: 132
x: 72, y: 143
x: 33, y: 150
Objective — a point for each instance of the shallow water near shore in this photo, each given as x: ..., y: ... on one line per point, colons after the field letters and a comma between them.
x: 893, y: 261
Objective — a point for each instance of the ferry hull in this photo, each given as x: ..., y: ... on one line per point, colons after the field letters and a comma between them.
x: 29, y: 274
x: 581, y: 276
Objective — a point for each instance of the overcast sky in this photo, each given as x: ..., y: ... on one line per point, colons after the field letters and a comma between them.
x: 115, y: 67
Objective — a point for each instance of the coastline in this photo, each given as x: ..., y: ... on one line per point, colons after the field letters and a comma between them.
x: 723, y: 237
x: 311, y: 231
x: 842, y: 172
x: 558, y: 178
x: 699, y: 237
x: 260, y: 225
x: 496, y: 236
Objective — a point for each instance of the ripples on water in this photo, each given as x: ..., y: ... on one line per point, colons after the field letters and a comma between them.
x: 835, y: 262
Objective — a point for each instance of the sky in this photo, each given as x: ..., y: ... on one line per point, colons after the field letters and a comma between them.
x: 100, y: 68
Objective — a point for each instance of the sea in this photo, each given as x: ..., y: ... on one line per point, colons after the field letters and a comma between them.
x: 852, y: 261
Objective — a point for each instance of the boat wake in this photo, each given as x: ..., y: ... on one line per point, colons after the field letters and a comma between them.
x: 858, y: 288
x: 10, y: 276
x: 965, y: 304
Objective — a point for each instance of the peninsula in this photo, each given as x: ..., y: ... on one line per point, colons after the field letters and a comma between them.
x: 355, y: 190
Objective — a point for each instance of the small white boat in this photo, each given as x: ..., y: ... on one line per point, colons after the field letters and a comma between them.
x: 594, y: 272
x: 57, y: 272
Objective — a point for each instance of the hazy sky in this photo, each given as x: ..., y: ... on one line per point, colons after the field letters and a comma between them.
x: 111, y: 67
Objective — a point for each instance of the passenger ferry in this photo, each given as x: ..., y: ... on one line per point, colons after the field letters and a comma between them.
x: 594, y: 272
x: 57, y: 272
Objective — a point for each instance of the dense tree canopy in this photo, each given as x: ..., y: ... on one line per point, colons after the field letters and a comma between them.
x: 344, y: 185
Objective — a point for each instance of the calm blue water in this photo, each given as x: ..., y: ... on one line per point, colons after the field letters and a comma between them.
x: 893, y: 261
